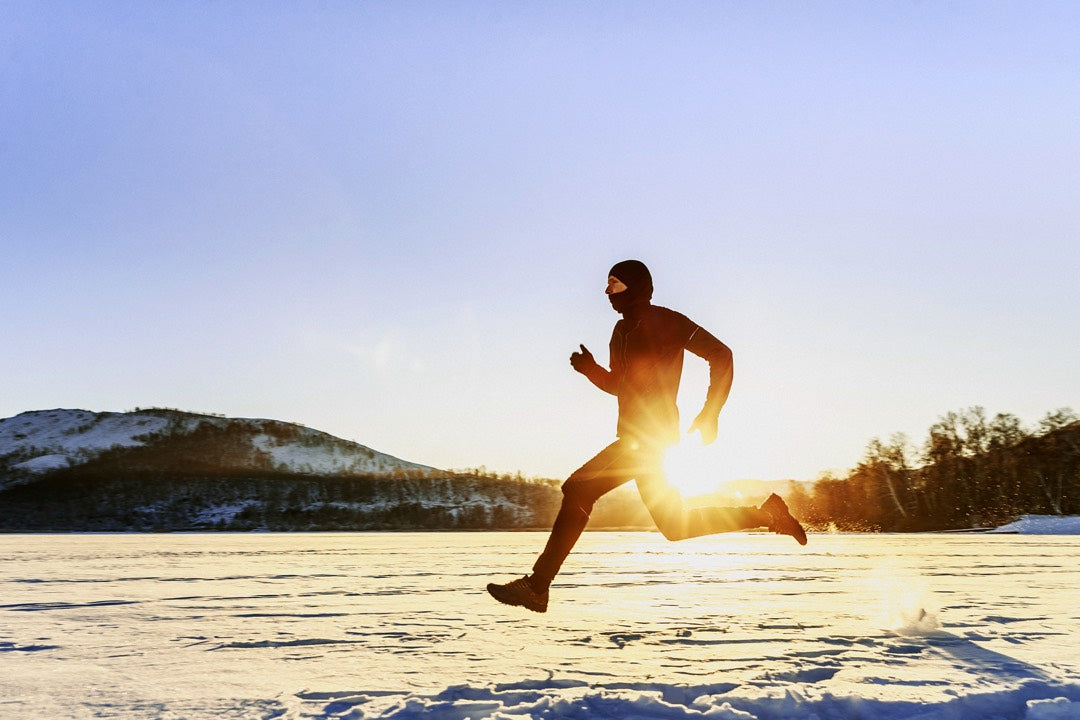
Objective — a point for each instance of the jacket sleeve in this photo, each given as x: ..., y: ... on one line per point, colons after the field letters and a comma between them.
x: 721, y: 367
x: 609, y: 380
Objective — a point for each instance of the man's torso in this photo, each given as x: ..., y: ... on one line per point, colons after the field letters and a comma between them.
x: 647, y: 358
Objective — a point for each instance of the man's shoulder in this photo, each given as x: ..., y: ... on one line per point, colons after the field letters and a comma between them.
x: 668, y: 315
x: 673, y: 326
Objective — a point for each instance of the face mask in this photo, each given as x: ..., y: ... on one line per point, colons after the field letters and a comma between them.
x: 623, y: 295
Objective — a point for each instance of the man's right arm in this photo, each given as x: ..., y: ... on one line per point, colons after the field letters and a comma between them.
x: 606, y: 380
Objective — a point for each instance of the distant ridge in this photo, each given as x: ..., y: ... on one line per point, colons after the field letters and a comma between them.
x: 164, y: 470
x: 37, y: 442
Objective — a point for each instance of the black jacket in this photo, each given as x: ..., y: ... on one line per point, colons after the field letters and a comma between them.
x: 646, y: 367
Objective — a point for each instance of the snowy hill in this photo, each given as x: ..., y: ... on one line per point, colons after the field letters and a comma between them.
x: 167, y: 470
x: 38, y: 442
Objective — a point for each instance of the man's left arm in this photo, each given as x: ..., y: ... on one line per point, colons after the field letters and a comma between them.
x: 721, y: 372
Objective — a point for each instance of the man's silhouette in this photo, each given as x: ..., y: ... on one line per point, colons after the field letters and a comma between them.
x: 646, y: 356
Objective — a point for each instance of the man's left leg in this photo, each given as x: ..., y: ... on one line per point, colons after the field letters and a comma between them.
x: 678, y: 522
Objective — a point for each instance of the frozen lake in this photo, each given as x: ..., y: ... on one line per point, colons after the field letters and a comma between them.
x: 398, y: 625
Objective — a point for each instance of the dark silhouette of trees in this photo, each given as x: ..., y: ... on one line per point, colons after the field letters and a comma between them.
x: 972, y: 471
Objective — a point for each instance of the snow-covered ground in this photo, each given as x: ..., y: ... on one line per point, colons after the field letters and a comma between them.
x: 1042, y: 525
x: 397, y: 625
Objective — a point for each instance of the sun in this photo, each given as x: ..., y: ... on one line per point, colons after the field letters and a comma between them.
x: 693, y: 468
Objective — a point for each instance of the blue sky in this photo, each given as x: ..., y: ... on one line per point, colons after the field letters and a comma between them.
x: 393, y: 221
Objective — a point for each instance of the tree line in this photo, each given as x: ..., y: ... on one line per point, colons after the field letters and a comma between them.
x: 971, y: 471
x: 98, y: 498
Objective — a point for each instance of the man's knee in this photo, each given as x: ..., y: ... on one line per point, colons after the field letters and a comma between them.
x: 668, y: 515
x: 577, y: 495
x: 673, y: 529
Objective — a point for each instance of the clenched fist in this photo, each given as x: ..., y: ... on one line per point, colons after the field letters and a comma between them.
x: 582, y: 361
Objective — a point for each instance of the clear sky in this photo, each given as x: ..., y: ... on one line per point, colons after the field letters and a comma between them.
x: 393, y: 221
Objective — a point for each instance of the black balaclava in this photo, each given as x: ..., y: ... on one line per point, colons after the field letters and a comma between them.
x: 638, y: 281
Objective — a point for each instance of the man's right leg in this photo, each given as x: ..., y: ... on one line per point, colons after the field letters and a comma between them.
x: 605, y: 472
x: 612, y: 467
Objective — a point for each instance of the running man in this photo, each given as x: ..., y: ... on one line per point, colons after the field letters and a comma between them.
x: 646, y: 357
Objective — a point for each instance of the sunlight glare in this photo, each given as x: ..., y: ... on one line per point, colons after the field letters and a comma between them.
x: 692, y: 468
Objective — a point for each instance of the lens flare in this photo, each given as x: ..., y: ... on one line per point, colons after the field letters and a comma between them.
x: 691, y: 468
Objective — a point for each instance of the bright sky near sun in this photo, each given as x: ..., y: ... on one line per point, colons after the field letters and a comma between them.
x: 393, y: 221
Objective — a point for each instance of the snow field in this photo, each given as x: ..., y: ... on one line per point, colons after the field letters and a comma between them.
x: 397, y: 625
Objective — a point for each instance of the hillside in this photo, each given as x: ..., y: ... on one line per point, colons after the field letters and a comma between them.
x: 166, y: 470
x: 38, y: 442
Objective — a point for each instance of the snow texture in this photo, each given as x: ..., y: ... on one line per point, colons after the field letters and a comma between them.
x: 398, y: 626
x: 74, y: 434
x: 1042, y: 525
x: 43, y: 463
x: 321, y: 458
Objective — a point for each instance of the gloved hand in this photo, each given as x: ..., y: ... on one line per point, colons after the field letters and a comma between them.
x: 705, y: 423
x: 582, y: 361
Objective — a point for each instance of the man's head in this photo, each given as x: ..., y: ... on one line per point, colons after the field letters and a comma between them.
x: 629, y: 285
